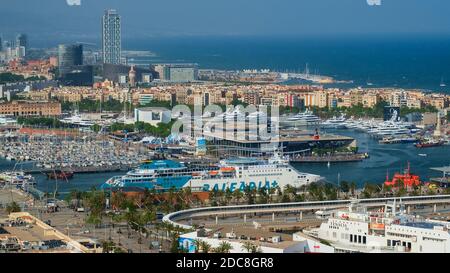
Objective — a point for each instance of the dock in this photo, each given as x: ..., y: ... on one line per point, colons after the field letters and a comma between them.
x: 333, y: 158
x: 85, y: 170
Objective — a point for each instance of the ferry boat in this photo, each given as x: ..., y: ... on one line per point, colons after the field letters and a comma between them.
x: 234, y: 174
x: 387, y: 230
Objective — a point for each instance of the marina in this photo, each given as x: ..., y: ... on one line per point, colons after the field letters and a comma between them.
x: 79, y: 155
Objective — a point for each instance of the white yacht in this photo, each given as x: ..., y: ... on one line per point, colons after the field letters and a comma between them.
x: 305, y: 118
x: 335, y: 122
x: 257, y: 115
x: 77, y: 120
x: 231, y: 115
x: 389, y: 128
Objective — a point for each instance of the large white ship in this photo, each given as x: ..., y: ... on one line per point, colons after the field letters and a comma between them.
x: 305, y: 118
x: 386, y: 230
x: 234, y: 174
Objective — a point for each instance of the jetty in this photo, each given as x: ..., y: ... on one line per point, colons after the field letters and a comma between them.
x: 329, y: 158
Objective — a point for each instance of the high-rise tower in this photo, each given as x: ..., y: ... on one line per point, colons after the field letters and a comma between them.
x: 69, y: 56
x: 111, y: 37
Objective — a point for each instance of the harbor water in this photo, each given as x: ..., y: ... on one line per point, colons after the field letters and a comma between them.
x: 384, y: 159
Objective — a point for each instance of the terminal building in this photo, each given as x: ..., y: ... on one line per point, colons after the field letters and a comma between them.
x: 153, y: 115
x: 263, y: 140
x: 262, y: 240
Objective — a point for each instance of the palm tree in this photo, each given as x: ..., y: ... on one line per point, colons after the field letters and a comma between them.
x: 206, y: 247
x: 224, y: 247
x: 248, y: 246
x: 250, y: 195
x: 118, y: 200
x: 353, y: 188
x: 271, y: 192
x: 187, y: 194
x: 237, y: 195
x: 197, y: 243
x: 228, y: 196
x: 13, y: 207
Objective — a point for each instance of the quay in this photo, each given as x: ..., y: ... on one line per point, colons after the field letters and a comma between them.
x: 332, y: 158
x: 89, y: 169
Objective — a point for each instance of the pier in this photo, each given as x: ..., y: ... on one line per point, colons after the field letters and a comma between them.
x: 89, y: 169
x: 331, y: 158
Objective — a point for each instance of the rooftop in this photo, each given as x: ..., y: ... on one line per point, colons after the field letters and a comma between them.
x: 26, y: 233
x: 151, y: 109
x: 255, y: 235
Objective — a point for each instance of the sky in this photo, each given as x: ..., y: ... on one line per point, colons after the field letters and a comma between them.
x: 56, y: 20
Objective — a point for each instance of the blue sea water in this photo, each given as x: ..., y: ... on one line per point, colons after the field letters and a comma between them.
x: 384, y: 160
x: 405, y: 61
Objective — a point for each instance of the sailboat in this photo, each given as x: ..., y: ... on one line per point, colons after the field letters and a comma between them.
x: 442, y: 83
x: 369, y: 83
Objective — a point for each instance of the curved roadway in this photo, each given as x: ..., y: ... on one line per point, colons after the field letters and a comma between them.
x: 298, y: 207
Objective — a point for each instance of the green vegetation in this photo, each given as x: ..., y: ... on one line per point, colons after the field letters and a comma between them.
x: 426, y: 109
x: 356, y: 111
x: 111, y: 247
x: 327, y: 151
x: 250, y: 247
x: 11, y: 78
x: 371, y: 190
x: 288, y: 110
x: 161, y: 130
x: 359, y: 111
x: 88, y: 105
x: 40, y: 121
x: 224, y: 247
x: 13, y: 207
x: 96, y: 128
x: 96, y: 202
